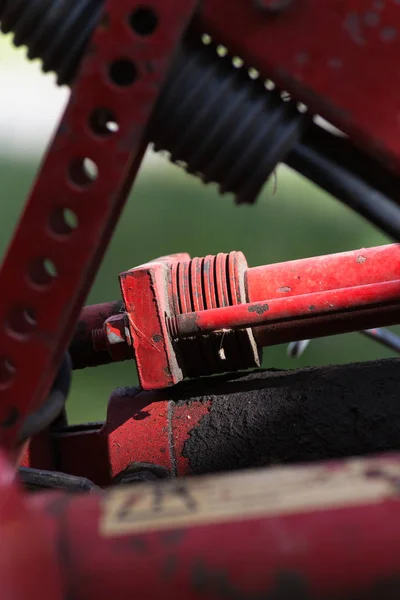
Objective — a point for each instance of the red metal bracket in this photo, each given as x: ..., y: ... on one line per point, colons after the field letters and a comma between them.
x: 87, y: 174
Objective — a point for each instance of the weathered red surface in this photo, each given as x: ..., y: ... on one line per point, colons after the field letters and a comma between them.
x: 325, y: 532
x: 328, y: 55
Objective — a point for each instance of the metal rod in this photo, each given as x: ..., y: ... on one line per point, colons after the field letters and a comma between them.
x: 284, y: 309
x: 385, y: 337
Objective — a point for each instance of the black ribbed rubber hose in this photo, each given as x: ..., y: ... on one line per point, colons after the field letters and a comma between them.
x: 214, y: 119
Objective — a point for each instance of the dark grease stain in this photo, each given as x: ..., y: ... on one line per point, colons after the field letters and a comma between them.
x: 260, y: 309
x: 157, y: 338
x: 12, y: 418
x: 311, y: 307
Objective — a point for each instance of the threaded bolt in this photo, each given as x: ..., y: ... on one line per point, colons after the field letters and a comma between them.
x: 57, y: 32
x: 172, y: 327
x: 99, y: 340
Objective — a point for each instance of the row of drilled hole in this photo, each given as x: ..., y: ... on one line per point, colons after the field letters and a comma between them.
x: 82, y: 172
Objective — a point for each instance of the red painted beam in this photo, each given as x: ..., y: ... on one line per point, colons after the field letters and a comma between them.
x: 322, y: 532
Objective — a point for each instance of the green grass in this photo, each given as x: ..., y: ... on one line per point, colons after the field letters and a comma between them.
x: 170, y: 211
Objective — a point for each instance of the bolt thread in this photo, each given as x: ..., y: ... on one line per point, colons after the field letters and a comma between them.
x: 205, y: 283
x: 99, y: 340
x: 219, y: 124
x: 172, y: 327
x: 57, y: 32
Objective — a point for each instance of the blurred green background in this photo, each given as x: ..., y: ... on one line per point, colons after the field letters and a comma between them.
x: 170, y: 211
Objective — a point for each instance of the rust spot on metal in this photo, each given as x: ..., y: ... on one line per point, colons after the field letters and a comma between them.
x: 11, y: 419
x: 157, y: 338
x: 361, y: 258
x: 260, y: 309
x: 284, y: 290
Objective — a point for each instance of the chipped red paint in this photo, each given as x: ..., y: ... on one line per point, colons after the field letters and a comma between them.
x: 145, y: 293
x: 136, y: 430
x: 185, y: 418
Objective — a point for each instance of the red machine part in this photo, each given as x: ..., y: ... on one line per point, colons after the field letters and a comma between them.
x: 49, y: 266
x: 120, y: 80
x: 176, y: 298
x: 316, y: 532
x: 87, y: 547
x: 232, y: 422
x: 328, y: 55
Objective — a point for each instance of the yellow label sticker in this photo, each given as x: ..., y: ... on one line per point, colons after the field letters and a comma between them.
x: 258, y: 493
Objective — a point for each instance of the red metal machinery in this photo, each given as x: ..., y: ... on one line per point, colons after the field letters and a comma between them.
x: 326, y: 531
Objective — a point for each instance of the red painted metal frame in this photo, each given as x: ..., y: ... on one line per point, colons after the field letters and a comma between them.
x: 340, y: 547
x: 338, y: 57
x: 38, y: 312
